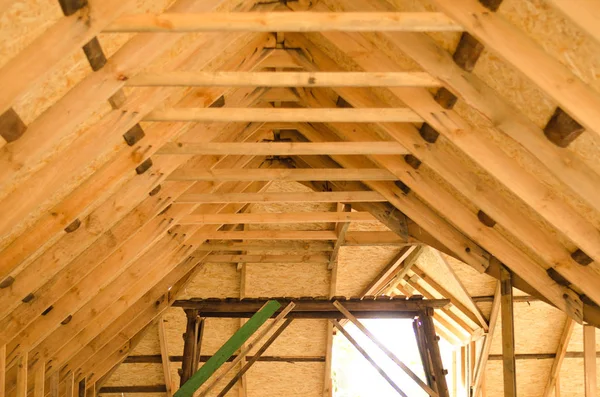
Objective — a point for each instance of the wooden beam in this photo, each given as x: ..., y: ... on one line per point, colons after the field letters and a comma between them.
x: 397, y: 307
x: 157, y: 359
x: 508, y: 334
x: 276, y: 218
x: 247, y: 347
x: 384, y: 348
x: 368, y: 358
x: 283, y: 148
x: 132, y: 389
x: 70, y: 384
x: 54, y: 384
x: 299, y: 115
x: 426, y: 320
x: 227, y: 350
x: 255, y: 358
x: 291, y: 197
x: 521, y: 51
x: 589, y: 360
x: 583, y: 13
x: 318, y: 258
x: 284, y: 22
x: 164, y: 353
x: 561, y: 352
x: 292, y: 246
x: 3, y: 371
x: 352, y: 238
x: 283, y: 79
x: 477, y: 384
x: 40, y: 379
x: 191, y: 174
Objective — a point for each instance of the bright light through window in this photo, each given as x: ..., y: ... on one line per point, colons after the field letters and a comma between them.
x: 354, y: 376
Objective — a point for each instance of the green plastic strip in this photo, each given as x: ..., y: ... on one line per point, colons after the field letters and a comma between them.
x: 228, y: 349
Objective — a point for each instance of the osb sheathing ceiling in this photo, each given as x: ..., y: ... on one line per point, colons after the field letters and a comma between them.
x: 491, y: 159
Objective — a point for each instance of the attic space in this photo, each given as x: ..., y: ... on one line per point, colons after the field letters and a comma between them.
x: 300, y: 198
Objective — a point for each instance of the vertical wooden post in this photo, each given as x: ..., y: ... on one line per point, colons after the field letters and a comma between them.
x: 70, y: 384
x: 3, y: 371
x: 164, y: 354
x: 54, y: 384
x: 508, y: 334
x: 189, y: 346
x: 557, y: 387
x: 422, y: 345
x: 90, y: 391
x: 434, y: 352
x: 81, y: 388
x: 40, y: 378
x: 589, y: 360
x: 454, y: 374
x: 463, y: 367
x: 22, y: 376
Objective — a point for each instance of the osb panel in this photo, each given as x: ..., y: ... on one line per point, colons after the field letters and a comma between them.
x: 149, y: 343
x: 287, y: 279
x: 300, y: 338
x: 576, y: 343
x: 538, y: 327
x: 358, y: 266
x: 531, y: 377
x: 214, y: 280
x: 285, y: 379
x: 137, y: 375
x: 572, y: 377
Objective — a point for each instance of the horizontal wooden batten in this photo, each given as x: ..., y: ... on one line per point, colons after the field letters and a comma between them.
x: 315, y: 174
x: 352, y: 238
x: 283, y: 148
x: 298, y: 115
x: 132, y: 389
x: 157, y: 359
x: 382, y: 307
x: 314, y: 246
x: 317, y: 258
x: 284, y: 79
x: 276, y: 217
x: 292, y: 197
x: 285, y: 22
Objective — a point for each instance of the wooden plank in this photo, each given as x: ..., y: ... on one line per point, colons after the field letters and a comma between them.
x: 521, y: 51
x: 70, y: 384
x: 248, y: 347
x: 583, y: 13
x: 21, y: 390
x: 255, y: 358
x: 284, y: 22
x: 282, y: 148
x: 312, y: 246
x: 276, y: 218
x: 3, y: 371
x: 39, y: 380
x: 477, y: 384
x: 561, y: 351
x: 283, y: 79
x: 54, y: 384
x: 164, y: 353
x: 368, y: 358
x: 299, y: 115
x: 65, y: 36
x: 318, y: 258
x: 508, y: 334
x: 241, y: 308
x: 589, y: 360
x: 343, y: 309
x: 402, y: 272
x: 325, y: 174
x: 227, y: 350
x: 434, y: 352
x: 289, y: 197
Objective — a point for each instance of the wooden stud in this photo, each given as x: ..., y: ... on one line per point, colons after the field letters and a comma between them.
x: 190, y: 341
x: 316, y: 258
x: 22, y: 376
x: 477, y: 383
x: 3, y: 371
x: 70, y: 384
x: 54, y: 384
x: 426, y: 319
x: 561, y: 351
x: 589, y: 360
x: 284, y: 22
x: 39, y: 379
x: 508, y: 334
x: 164, y: 353
x: 292, y: 197
x: 277, y: 217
